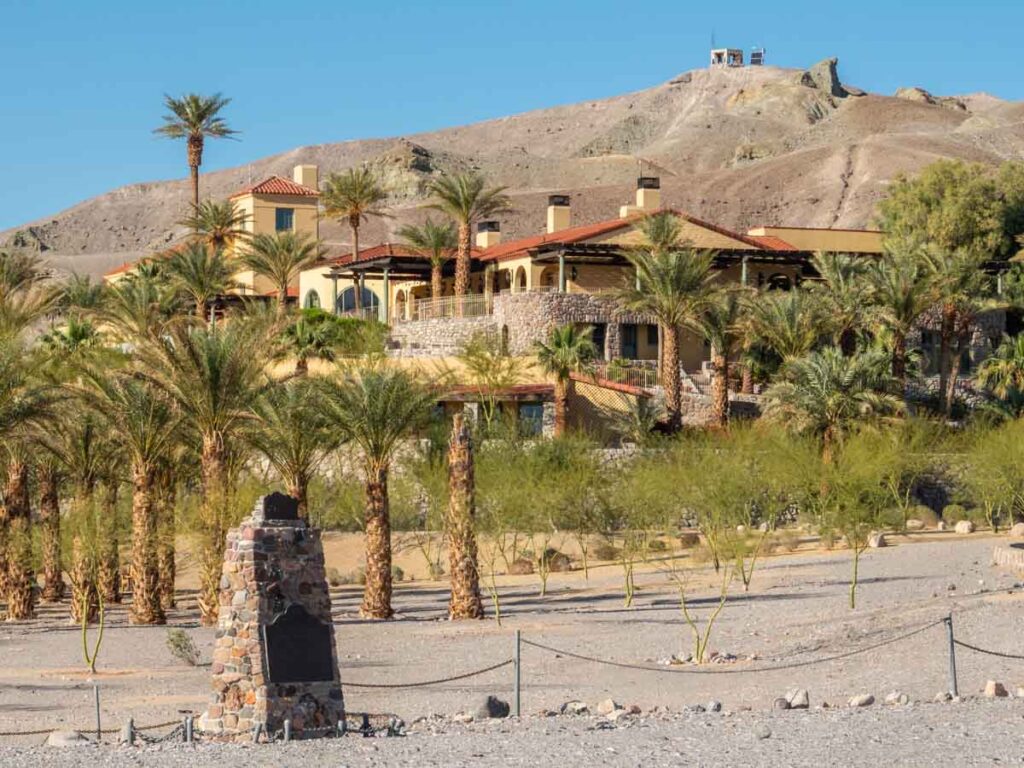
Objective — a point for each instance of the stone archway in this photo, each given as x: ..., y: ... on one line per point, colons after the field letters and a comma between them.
x: 519, y: 286
x: 400, y: 306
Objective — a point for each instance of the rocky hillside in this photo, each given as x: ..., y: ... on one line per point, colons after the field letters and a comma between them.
x: 736, y: 146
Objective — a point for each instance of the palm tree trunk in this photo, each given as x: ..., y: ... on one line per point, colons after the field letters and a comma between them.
x: 377, y: 593
x: 214, y: 513
x: 949, y: 393
x: 195, y: 159
x: 462, y: 260
x: 146, y: 608
x: 561, y: 405
x: 165, y: 544
x: 436, y: 286
x: 720, y: 388
x: 946, y: 329
x: 465, y: 602
x: 899, y: 360
x: 747, y: 380
x: 108, y: 567
x: 49, y: 518
x: 85, y: 604
x: 670, y: 378
x: 298, y: 488
x: 20, y: 578
x: 282, y: 300
x: 354, y: 224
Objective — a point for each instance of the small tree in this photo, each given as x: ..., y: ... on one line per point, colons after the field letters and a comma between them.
x: 568, y: 350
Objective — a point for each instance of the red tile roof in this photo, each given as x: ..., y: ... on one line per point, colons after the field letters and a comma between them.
x: 382, y: 250
x: 773, y: 243
x: 277, y: 185
x: 292, y: 293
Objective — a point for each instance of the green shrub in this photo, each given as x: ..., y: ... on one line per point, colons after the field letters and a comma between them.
x: 181, y: 646
x: 925, y: 514
x: 657, y: 545
x: 397, y: 574
x: 953, y: 513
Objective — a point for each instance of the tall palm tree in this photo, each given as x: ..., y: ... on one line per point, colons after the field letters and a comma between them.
x: 789, y: 323
x: 672, y: 285
x: 353, y: 197
x: 280, y: 258
x: 568, y: 350
x: 212, y: 376
x: 146, y: 425
x: 200, y: 272
x: 827, y: 393
x: 435, y: 242
x: 218, y: 224
x: 460, y: 526
x: 139, y: 308
x: 292, y: 432
x: 900, y: 292
x: 466, y: 198
x: 844, y: 289
x: 376, y: 408
x: 195, y: 118
x: 720, y: 325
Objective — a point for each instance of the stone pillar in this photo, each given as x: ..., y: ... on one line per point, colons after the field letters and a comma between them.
x: 561, y: 273
x: 274, y: 656
x: 334, y: 294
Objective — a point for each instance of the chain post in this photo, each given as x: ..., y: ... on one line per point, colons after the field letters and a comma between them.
x: 517, y: 670
x: 189, y: 729
x: 129, y: 733
x: 256, y: 731
x: 96, y: 697
x: 953, y: 688
x: 287, y: 730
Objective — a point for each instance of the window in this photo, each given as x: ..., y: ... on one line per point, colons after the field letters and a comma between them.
x: 652, y: 335
x: 347, y: 299
x: 284, y: 219
x: 531, y: 419
x: 312, y: 300
x: 628, y: 348
x: 598, y: 336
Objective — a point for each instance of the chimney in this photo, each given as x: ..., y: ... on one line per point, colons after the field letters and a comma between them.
x: 488, y: 233
x: 648, y: 197
x: 307, y: 176
x: 558, y: 213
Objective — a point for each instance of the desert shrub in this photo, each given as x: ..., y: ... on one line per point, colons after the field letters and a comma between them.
x: 334, y: 577
x: 436, y: 571
x: 557, y: 561
x: 925, y: 514
x: 657, y: 545
x: 702, y: 554
x: 181, y: 647
x: 523, y: 566
x: 397, y: 573
x: 606, y: 551
x: 689, y: 539
x: 953, y: 513
x: 788, y: 539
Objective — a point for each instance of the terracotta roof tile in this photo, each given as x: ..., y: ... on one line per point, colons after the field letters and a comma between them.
x: 277, y: 185
x: 772, y: 243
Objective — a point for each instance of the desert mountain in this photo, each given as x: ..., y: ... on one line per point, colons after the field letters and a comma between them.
x: 740, y: 147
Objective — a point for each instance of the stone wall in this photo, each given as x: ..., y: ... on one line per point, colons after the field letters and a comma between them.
x: 436, y: 338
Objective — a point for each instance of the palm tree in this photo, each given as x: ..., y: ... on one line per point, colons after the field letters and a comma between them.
x: 353, y: 197
x: 788, y: 323
x: 845, y: 292
x: 827, y: 393
x: 435, y: 242
x: 720, y: 325
x: 212, y: 376
x: 146, y: 425
x: 1002, y: 373
x: 80, y: 294
x: 672, y: 285
x: 900, y: 293
x: 200, y: 272
x: 139, y: 308
x: 306, y: 340
x: 466, y: 199
x: 568, y: 350
x: 49, y: 479
x: 218, y: 224
x: 293, y: 433
x: 280, y: 258
x: 460, y: 526
x: 376, y: 407
x: 194, y: 118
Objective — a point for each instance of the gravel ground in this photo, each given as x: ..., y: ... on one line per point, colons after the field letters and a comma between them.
x: 796, y: 610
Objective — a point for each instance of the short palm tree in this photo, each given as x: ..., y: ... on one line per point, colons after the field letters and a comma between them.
x: 789, y: 323
x: 218, y: 224
x: 1002, y: 373
x: 80, y: 294
x: 672, y: 285
x: 306, y: 340
x: 146, y: 424
x: 844, y: 289
x: 213, y: 377
x: 139, y: 308
x: 466, y: 199
x: 48, y: 476
x: 721, y: 326
x: 280, y: 258
x: 826, y: 394
x: 294, y: 435
x: 353, y: 197
x: 201, y: 273
x: 460, y: 525
x: 435, y: 242
x: 376, y: 408
x: 195, y: 118
x: 568, y: 350
x: 900, y: 292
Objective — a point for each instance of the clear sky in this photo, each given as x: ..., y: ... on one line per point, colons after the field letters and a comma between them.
x: 81, y: 81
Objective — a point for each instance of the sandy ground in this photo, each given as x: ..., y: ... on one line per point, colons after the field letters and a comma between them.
x: 796, y: 610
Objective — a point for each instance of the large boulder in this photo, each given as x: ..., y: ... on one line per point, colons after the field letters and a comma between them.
x: 964, y: 526
x: 826, y: 79
x: 1017, y: 531
x: 521, y: 567
x: 607, y: 706
x: 877, y: 541
x: 799, y: 698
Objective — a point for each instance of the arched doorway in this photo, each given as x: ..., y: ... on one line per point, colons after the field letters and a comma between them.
x: 520, y: 284
x: 399, y: 311
x: 504, y: 281
x: 347, y: 300
x: 312, y: 300
x: 549, y: 278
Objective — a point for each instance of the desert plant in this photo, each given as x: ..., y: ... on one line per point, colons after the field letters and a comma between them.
x: 182, y: 647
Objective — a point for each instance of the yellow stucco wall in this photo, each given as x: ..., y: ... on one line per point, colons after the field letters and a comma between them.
x: 836, y: 240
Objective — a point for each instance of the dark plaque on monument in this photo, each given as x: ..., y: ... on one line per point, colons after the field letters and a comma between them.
x: 298, y: 648
x: 277, y: 506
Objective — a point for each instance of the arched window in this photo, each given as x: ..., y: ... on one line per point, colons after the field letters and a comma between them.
x: 779, y: 282
x: 347, y: 299
x: 312, y: 300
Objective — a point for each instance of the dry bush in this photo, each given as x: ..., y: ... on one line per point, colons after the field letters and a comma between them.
x: 181, y: 647
x: 954, y: 513
x: 689, y: 539
x: 925, y: 514
x: 606, y: 551
x: 788, y: 539
x: 701, y: 554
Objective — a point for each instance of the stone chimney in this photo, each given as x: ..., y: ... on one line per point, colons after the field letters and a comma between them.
x: 648, y: 197
x: 558, y: 213
x: 307, y: 176
x: 488, y: 233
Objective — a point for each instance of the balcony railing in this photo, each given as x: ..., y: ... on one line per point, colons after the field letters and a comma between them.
x: 473, y: 305
x: 364, y: 313
x: 630, y: 373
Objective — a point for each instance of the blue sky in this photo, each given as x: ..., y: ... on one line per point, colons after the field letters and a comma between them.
x: 82, y: 81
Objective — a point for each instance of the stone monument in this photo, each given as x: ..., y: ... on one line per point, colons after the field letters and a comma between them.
x: 274, y: 658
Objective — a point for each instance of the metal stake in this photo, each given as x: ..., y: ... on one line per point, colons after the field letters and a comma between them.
x: 342, y: 726
x: 129, y: 733
x: 287, y: 730
x: 953, y: 688
x: 96, y: 696
x: 256, y: 731
x: 189, y: 728
x: 517, y: 664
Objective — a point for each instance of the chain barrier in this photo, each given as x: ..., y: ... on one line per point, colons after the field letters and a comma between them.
x: 174, y: 733
x: 744, y: 670
x: 988, y: 652
x: 425, y: 683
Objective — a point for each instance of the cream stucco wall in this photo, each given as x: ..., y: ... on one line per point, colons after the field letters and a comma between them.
x: 833, y: 240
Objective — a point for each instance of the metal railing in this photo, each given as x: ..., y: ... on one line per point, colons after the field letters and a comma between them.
x: 472, y: 305
x: 363, y: 313
x: 628, y: 372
